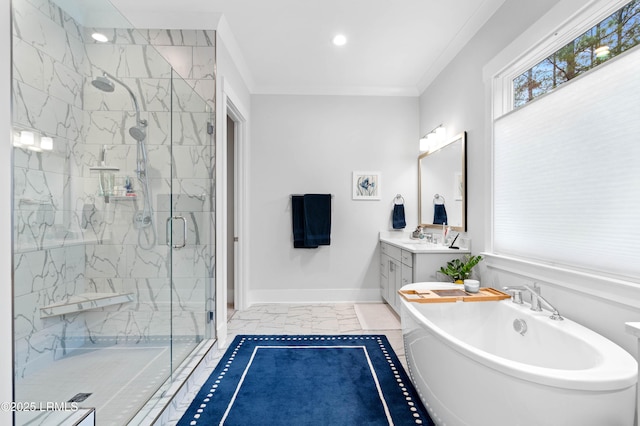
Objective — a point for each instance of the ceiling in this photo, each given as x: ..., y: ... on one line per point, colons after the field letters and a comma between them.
x: 395, y: 47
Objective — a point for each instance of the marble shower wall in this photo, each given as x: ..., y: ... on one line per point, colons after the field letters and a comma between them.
x: 181, y: 176
x: 68, y: 240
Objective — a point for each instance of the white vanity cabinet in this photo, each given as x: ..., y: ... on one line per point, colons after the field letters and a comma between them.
x: 396, y: 270
x: 405, y: 263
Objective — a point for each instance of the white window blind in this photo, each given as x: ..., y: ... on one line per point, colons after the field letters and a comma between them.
x: 567, y: 173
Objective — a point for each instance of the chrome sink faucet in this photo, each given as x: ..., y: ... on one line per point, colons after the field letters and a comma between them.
x: 536, y: 299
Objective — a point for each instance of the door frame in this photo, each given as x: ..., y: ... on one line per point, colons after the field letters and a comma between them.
x: 230, y: 105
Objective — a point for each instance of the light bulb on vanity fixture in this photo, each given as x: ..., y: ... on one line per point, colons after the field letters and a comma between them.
x: 602, y: 52
x: 432, y: 140
x: 46, y: 143
x: 27, y: 138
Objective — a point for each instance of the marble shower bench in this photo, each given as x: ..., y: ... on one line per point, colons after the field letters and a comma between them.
x: 85, y: 302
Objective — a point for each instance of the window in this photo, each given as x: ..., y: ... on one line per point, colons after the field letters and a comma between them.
x: 566, y: 185
x: 610, y: 37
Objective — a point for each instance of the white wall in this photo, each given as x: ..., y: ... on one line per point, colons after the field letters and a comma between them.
x: 312, y: 144
x: 231, y: 89
x: 228, y: 68
x: 6, y: 294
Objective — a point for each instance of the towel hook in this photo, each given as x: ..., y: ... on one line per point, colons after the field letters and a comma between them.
x: 437, y: 198
x: 398, y: 198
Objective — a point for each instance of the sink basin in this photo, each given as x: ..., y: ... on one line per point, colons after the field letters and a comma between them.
x: 420, y: 243
x: 420, y: 246
x: 424, y: 245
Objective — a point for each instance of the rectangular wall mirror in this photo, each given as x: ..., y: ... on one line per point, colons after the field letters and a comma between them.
x: 442, y: 185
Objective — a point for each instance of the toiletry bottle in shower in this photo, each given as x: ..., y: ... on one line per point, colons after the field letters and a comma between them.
x: 128, y: 184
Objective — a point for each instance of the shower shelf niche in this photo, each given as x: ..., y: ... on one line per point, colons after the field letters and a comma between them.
x: 104, y: 169
x: 120, y: 197
x: 85, y: 302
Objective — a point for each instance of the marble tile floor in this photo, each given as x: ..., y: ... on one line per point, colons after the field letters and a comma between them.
x: 289, y: 319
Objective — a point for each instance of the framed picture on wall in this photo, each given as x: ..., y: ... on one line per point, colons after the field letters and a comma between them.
x: 366, y: 185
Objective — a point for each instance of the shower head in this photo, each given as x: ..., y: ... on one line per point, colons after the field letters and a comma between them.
x: 103, y: 83
x: 138, y: 133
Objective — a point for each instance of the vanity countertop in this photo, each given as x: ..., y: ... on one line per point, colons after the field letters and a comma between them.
x: 405, y: 242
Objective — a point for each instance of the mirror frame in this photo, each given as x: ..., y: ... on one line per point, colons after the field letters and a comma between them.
x: 459, y: 137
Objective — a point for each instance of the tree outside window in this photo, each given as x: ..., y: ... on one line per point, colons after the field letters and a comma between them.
x: 614, y: 35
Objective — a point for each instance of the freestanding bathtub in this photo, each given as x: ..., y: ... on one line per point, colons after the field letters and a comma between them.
x: 473, y: 363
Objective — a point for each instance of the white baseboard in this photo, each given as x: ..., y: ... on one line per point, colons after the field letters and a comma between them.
x: 355, y: 295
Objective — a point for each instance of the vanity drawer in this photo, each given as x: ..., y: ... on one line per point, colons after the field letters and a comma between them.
x: 407, y: 258
x: 391, y: 251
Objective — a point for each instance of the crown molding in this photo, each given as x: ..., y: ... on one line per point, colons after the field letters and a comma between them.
x: 407, y: 91
x: 231, y: 44
x: 466, y: 33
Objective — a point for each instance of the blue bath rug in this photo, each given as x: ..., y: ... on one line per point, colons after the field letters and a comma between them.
x: 307, y: 380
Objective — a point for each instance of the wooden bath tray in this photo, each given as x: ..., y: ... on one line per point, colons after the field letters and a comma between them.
x: 485, y: 294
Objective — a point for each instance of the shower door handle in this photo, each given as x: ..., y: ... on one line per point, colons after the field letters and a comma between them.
x: 170, y: 231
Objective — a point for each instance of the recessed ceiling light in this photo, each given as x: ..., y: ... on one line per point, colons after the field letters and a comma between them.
x: 100, y: 37
x: 340, y: 40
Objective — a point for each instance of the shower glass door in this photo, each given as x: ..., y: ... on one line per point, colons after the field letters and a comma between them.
x: 190, y: 218
x: 113, y: 252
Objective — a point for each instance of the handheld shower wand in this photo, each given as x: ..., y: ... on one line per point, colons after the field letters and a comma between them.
x: 144, y: 218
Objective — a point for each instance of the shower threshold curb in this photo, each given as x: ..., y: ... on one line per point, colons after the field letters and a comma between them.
x: 161, y: 405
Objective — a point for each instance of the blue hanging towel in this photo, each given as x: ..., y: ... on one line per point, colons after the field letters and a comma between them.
x: 399, y: 221
x: 317, y: 220
x: 439, y: 214
x: 297, y: 216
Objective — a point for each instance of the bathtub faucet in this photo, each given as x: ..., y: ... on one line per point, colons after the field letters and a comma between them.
x: 536, y: 299
x: 516, y: 293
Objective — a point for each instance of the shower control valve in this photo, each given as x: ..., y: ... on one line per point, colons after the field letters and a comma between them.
x: 141, y: 220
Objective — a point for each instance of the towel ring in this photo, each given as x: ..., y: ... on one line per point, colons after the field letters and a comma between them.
x: 398, y: 198
x: 437, y: 198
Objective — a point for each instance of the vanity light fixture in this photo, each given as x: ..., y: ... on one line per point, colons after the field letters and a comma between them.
x: 602, y: 52
x: 46, y: 143
x: 100, y: 37
x: 424, y: 144
x: 27, y: 139
x: 432, y: 140
x: 340, y: 40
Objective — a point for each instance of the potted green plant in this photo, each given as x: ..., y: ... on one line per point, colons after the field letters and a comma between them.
x: 460, y: 269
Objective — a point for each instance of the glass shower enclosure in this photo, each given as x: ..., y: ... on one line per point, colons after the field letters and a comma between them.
x: 113, y: 207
